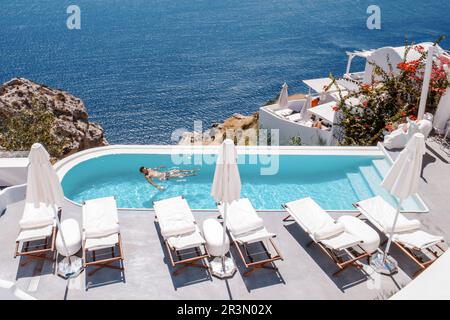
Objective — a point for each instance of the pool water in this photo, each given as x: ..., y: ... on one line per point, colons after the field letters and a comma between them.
x: 335, y: 182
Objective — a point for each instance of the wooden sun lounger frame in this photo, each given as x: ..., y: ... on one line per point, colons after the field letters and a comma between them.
x: 182, y: 264
x: 106, y: 262
x: 38, y: 254
x: 253, y: 266
x: 340, y: 263
x: 410, y: 252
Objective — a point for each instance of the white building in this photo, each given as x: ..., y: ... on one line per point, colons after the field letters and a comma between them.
x: 293, y: 121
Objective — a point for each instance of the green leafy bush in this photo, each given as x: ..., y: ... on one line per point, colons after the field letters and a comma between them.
x: 27, y: 126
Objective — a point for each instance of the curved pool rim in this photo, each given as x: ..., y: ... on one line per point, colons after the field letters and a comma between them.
x: 63, y: 166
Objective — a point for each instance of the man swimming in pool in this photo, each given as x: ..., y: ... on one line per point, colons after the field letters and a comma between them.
x: 151, y: 174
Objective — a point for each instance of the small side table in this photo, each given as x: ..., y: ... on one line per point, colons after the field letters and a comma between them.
x: 71, y: 265
x: 221, y: 266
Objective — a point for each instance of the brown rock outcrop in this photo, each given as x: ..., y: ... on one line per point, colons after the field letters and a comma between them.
x: 71, y: 118
x: 243, y: 129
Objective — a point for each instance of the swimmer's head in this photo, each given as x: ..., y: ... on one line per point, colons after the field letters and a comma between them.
x: 143, y: 170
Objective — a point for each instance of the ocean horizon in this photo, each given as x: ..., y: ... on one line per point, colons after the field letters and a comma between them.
x: 145, y: 68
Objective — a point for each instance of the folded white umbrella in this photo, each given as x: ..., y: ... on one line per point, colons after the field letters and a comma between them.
x: 403, y: 178
x: 283, y: 97
x: 42, y: 183
x: 306, y: 106
x: 43, y: 186
x: 226, y: 185
x: 442, y: 115
x: 426, y: 82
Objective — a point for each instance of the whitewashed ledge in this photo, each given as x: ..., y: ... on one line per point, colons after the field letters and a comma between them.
x: 13, y: 154
x: 13, y: 171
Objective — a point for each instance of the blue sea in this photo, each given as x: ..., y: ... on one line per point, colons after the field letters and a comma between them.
x: 145, y: 68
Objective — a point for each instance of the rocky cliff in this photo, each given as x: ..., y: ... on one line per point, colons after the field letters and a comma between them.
x: 70, y: 123
x: 243, y: 129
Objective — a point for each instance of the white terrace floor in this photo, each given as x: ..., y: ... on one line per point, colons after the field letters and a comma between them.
x: 305, y: 273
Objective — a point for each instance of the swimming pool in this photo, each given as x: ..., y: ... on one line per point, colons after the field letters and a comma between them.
x: 334, y: 181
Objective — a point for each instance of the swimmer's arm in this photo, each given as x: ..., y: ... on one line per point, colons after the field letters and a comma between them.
x: 154, y: 184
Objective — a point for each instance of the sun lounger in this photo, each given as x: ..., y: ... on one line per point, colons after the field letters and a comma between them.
x: 37, y: 232
x: 182, y: 237
x: 246, y: 228
x: 335, y: 238
x: 284, y: 112
x: 423, y: 248
x: 101, y: 234
x: 294, y: 117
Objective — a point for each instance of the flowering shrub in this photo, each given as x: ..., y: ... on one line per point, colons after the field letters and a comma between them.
x: 378, y: 107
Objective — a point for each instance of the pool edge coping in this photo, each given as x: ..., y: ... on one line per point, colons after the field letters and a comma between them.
x: 60, y: 166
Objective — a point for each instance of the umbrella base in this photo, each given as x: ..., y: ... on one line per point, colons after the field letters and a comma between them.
x: 217, y: 269
x: 388, y: 267
x: 70, y: 270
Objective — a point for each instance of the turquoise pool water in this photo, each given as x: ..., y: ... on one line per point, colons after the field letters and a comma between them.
x: 335, y: 182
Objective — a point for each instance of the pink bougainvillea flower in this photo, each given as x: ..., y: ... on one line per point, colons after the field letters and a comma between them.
x: 389, y: 127
x: 444, y: 60
x: 419, y: 48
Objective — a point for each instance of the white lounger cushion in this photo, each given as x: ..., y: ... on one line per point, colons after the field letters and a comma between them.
x: 329, y: 231
x: 294, y: 117
x: 254, y: 236
x: 361, y: 230
x: 100, y: 218
x: 241, y: 217
x: 320, y: 225
x: 187, y: 241
x: 35, y: 233
x: 174, y: 217
x: 37, y: 217
x: 342, y: 241
x: 101, y: 243
x: 309, y: 215
x: 284, y: 112
x: 418, y: 239
x: 382, y: 213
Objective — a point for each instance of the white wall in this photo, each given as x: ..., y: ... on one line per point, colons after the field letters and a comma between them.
x: 431, y: 284
x: 13, y: 171
x: 288, y: 130
x: 11, y: 195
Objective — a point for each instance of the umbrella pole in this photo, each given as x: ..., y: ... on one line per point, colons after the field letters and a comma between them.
x: 224, y: 235
x: 397, y: 213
